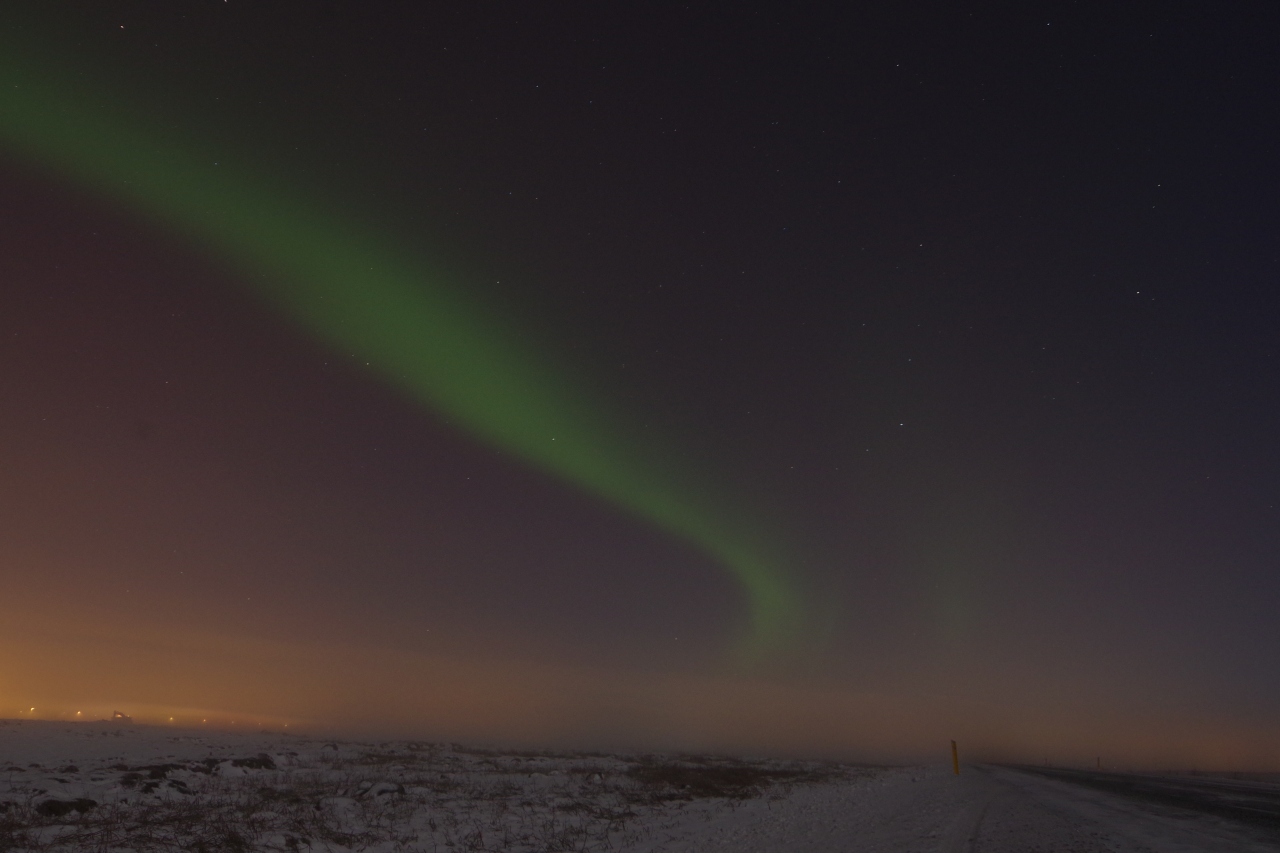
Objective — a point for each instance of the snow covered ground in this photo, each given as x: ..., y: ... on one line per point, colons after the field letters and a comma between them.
x: 114, y: 786
x: 117, y: 787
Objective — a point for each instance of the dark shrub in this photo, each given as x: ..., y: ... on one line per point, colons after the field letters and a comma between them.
x: 62, y: 808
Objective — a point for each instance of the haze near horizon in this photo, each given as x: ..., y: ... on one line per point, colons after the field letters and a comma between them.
x: 766, y: 380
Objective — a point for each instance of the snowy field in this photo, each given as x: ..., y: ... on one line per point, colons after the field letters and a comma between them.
x: 113, y: 786
x: 118, y: 787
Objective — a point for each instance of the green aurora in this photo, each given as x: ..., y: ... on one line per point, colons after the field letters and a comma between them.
x: 361, y: 295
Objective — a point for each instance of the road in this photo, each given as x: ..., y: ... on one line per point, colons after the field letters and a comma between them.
x: 996, y: 810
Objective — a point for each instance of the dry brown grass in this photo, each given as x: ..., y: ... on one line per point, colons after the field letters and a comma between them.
x: 411, y: 797
x: 701, y: 777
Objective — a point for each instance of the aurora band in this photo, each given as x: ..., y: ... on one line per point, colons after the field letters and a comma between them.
x: 362, y: 296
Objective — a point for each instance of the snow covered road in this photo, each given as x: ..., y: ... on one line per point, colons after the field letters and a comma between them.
x: 985, y: 810
x: 68, y: 787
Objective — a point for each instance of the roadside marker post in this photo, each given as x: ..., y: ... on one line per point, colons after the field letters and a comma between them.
x: 955, y: 759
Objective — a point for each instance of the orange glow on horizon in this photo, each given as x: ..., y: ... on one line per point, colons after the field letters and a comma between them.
x: 182, y: 681
x: 153, y: 672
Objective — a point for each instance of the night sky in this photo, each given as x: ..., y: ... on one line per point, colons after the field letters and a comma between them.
x: 912, y: 367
